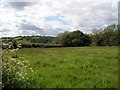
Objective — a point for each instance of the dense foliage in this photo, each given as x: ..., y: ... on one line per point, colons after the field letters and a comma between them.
x: 75, y: 38
x: 14, y: 70
x: 105, y: 37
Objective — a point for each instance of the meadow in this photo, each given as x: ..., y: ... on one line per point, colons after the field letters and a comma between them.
x: 71, y: 67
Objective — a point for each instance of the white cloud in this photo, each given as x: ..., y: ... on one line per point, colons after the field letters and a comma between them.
x: 80, y: 15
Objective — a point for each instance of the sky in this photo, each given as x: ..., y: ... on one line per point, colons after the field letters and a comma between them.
x: 51, y: 17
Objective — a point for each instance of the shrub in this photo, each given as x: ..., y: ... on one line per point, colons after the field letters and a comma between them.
x: 14, y: 72
x: 75, y: 38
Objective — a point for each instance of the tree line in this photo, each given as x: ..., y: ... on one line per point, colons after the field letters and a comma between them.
x: 107, y: 36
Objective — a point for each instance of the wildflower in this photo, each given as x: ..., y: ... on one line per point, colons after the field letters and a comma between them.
x: 20, y: 79
x: 13, y: 50
x: 12, y: 59
x: 23, y: 61
x: 23, y: 77
x: 30, y: 68
x: 9, y: 46
x: 20, y: 74
x: 17, y: 73
x: 27, y: 61
x: 18, y: 62
x: 19, y: 45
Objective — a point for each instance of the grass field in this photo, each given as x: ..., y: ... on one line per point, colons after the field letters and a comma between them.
x: 72, y: 67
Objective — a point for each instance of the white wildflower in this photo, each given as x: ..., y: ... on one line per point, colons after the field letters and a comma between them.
x: 23, y: 77
x: 18, y: 62
x: 12, y: 59
x: 30, y: 68
x: 27, y: 61
x: 20, y: 74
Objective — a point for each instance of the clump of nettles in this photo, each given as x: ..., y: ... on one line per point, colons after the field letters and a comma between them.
x: 14, y: 73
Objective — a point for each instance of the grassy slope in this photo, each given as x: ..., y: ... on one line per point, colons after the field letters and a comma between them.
x: 83, y: 67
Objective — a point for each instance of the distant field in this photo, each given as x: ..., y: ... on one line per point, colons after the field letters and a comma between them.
x: 78, y: 67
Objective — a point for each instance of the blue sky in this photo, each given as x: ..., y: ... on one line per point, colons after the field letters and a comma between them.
x: 46, y: 17
x: 57, y: 18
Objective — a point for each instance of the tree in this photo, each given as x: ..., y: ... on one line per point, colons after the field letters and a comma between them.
x: 75, y: 38
x: 58, y: 39
x: 107, y: 36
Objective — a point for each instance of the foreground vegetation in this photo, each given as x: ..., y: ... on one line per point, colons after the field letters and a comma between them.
x: 71, y: 67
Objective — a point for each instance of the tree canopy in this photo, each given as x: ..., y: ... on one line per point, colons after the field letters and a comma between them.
x: 75, y: 38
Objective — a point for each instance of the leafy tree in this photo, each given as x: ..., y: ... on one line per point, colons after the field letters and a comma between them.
x: 107, y: 36
x: 75, y: 38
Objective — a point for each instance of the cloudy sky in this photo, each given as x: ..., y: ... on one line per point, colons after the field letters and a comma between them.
x: 50, y: 17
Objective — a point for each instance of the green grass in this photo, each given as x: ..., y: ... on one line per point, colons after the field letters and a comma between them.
x: 78, y: 67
